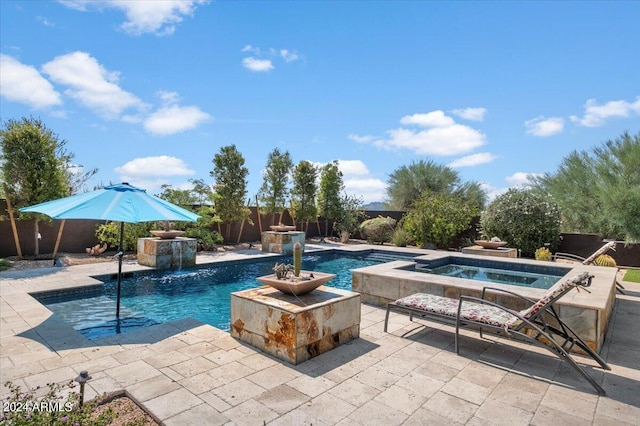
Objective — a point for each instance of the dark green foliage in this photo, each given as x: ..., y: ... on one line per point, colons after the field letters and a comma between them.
x: 350, y: 214
x: 109, y: 233
x: 303, y: 193
x: 230, y: 185
x: 407, y: 184
x: 525, y: 219
x: 378, y: 230
x: 331, y: 185
x: 599, y: 191
x: 36, y: 167
x: 438, y: 218
x: 203, y: 229
x: 275, y: 186
x: 4, y: 264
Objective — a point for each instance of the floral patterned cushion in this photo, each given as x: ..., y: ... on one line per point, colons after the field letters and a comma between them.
x: 553, y: 292
x: 447, y: 306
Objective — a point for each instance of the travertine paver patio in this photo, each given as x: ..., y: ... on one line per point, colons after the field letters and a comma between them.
x: 186, y: 372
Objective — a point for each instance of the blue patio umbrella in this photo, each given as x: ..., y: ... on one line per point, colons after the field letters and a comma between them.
x: 119, y: 203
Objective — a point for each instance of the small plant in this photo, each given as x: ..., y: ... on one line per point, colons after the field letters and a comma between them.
x: 282, y: 270
x: 400, y: 237
x: 632, y: 275
x: 543, y: 253
x: 24, y: 408
x: 605, y: 260
x: 4, y: 264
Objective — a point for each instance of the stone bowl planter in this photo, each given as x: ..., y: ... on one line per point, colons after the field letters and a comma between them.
x: 167, y: 235
x: 297, y: 286
x: 282, y: 228
x: 490, y: 244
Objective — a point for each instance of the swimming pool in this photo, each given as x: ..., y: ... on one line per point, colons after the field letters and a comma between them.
x: 201, y: 293
x: 500, y: 272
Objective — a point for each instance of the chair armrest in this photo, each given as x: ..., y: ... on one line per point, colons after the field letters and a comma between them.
x: 484, y: 290
x: 568, y: 256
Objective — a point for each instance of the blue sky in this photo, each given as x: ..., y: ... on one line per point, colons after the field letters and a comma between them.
x: 149, y: 91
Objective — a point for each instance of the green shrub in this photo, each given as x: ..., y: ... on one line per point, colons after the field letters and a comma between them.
x: 400, y: 237
x: 543, y: 253
x: 378, y: 230
x: 525, y: 219
x: 438, y: 219
x: 207, y: 239
x: 4, y: 264
x: 110, y: 233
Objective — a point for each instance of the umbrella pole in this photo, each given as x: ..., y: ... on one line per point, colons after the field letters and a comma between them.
x: 120, y: 255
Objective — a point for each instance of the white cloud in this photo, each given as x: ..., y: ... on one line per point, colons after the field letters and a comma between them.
x: 288, y: 56
x: 473, y: 160
x: 154, y: 167
x: 453, y: 140
x: 158, y: 17
x: 521, y: 178
x: 443, y: 137
x: 24, y: 84
x: 541, y: 126
x: 429, y: 119
x: 174, y: 119
x: 595, y: 115
x: 492, y: 191
x: 91, y: 84
x: 257, y: 65
x: 473, y: 114
x: 361, y: 138
x: 352, y: 167
x: 370, y: 189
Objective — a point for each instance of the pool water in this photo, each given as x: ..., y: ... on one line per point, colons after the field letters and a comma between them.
x: 203, y: 294
x: 522, y: 275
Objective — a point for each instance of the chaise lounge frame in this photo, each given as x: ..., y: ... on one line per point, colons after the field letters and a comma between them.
x: 539, y: 324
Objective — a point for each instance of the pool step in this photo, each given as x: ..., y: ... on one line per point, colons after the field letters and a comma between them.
x: 386, y: 257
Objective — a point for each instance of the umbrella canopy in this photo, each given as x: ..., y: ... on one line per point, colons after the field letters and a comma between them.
x: 119, y: 203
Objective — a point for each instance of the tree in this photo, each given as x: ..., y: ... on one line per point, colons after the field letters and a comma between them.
x: 349, y: 217
x: 275, y: 186
x: 599, y: 191
x: 525, y: 218
x: 438, y: 218
x: 230, y: 185
x: 36, y: 167
x: 329, y: 200
x: 407, y: 184
x: 303, y: 193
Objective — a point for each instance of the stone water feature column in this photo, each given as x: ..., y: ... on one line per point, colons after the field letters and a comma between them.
x: 282, y: 242
x: 175, y: 253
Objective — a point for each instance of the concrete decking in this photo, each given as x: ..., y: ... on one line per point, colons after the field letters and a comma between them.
x: 186, y: 372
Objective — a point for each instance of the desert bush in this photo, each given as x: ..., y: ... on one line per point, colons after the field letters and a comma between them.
x: 378, y: 230
x: 524, y: 218
x: 400, y: 237
x: 437, y: 219
x: 543, y: 253
x: 52, y: 408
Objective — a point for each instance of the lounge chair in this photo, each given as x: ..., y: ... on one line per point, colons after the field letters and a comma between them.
x: 611, y: 245
x: 539, y: 324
